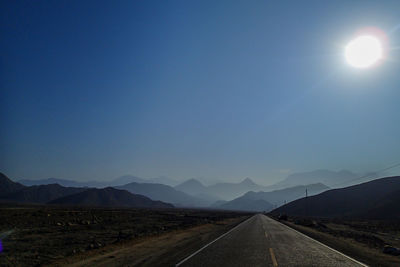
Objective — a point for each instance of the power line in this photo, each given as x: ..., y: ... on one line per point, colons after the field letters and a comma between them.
x: 368, y: 175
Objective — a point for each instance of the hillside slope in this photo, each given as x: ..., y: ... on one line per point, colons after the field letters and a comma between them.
x: 375, y: 199
x: 41, y: 193
x: 7, y: 186
x: 109, y: 197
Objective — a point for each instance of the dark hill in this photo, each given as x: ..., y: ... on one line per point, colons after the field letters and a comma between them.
x: 109, y: 197
x: 375, y: 199
x: 386, y: 208
x: 41, y: 193
x: 7, y: 186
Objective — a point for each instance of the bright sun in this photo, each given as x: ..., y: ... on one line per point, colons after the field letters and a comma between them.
x: 364, y: 51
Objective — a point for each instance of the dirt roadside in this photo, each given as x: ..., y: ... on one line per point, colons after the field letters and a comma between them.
x: 163, y: 250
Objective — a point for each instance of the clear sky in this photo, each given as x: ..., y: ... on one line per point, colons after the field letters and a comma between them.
x: 215, y: 89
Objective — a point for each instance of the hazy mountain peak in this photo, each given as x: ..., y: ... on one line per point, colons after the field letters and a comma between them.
x: 126, y: 179
x: 193, y: 181
x: 247, y: 181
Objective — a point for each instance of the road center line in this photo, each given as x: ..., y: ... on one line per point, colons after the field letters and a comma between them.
x: 274, y: 262
x: 266, y: 235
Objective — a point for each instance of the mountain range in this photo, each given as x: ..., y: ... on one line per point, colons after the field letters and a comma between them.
x: 221, y: 191
x: 333, y: 179
x: 122, y: 180
x: 192, y: 193
x: 56, y: 194
x: 165, y: 193
x: 377, y: 199
x: 252, y: 200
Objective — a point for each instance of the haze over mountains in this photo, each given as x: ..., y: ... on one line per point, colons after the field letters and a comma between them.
x: 245, y: 195
x: 165, y: 193
x: 332, y: 179
x: 221, y: 190
x: 266, y: 201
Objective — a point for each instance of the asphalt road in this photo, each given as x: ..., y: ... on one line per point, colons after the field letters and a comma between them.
x: 261, y: 241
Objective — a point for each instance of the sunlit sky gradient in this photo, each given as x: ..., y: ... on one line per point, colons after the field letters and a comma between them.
x: 220, y: 90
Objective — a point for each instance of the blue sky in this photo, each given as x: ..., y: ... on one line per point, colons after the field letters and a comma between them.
x: 215, y: 89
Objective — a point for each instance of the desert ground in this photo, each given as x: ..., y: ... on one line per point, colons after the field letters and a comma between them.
x: 59, y: 236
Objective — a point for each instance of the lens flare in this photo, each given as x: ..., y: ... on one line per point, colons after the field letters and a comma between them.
x: 364, y: 51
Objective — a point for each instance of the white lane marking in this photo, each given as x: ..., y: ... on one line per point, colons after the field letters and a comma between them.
x: 350, y: 258
x: 191, y: 255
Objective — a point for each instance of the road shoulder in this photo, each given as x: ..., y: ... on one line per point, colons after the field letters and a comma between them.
x: 349, y: 247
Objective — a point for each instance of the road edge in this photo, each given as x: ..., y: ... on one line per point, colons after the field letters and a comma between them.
x: 341, y: 253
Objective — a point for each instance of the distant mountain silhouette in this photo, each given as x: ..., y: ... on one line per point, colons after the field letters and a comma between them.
x: 122, y: 180
x: 223, y: 191
x: 7, y: 186
x: 163, y: 180
x: 63, y: 182
x: 41, y: 193
x: 126, y: 179
x: 377, y: 199
x: 164, y: 193
x: 109, y: 197
x: 229, y: 191
x: 326, y: 177
x: 247, y: 205
x: 275, y: 198
x: 278, y: 197
x: 192, y: 187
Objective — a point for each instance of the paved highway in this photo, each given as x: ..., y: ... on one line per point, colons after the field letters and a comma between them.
x: 261, y: 241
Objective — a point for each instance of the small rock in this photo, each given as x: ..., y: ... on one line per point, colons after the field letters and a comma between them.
x: 391, y: 250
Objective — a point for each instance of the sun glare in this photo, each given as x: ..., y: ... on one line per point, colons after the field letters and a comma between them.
x: 364, y: 51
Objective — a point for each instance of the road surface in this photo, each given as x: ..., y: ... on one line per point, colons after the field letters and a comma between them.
x: 261, y: 241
